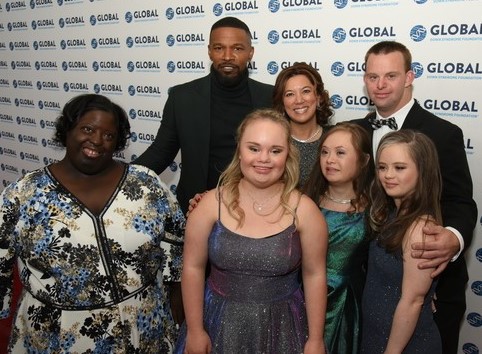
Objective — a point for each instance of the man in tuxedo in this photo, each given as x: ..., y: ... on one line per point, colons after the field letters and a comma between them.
x: 201, y: 117
x: 388, y: 80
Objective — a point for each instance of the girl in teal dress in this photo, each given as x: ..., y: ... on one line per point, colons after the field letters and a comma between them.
x: 339, y: 184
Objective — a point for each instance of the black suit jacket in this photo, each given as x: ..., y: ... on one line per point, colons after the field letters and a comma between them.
x: 185, y: 126
x: 458, y: 208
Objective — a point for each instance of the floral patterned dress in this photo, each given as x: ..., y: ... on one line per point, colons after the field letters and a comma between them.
x: 91, y: 283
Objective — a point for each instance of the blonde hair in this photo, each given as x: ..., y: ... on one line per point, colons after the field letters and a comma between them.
x: 230, y: 178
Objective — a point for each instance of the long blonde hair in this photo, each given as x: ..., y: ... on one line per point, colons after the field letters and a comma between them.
x: 232, y: 175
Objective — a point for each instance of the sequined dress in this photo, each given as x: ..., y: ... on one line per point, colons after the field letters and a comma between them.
x: 380, y: 298
x: 347, y: 250
x: 253, y: 302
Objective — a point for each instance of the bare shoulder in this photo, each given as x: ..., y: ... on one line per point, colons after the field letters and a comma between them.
x: 415, y: 231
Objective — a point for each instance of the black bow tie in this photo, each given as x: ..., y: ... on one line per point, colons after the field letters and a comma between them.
x: 378, y: 123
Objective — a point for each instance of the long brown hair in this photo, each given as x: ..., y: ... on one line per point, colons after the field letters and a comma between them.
x: 425, y: 199
x: 230, y: 178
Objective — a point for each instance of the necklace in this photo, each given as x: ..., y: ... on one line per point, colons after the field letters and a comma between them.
x: 339, y: 201
x: 259, y: 207
x: 309, y: 139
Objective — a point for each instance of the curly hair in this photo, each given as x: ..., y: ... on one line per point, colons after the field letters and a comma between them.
x: 78, y: 106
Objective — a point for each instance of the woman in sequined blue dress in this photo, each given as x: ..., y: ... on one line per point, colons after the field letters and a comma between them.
x: 259, y: 235
x: 397, y: 299
x: 340, y: 183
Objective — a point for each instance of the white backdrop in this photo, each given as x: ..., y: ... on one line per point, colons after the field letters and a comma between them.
x: 134, y: 52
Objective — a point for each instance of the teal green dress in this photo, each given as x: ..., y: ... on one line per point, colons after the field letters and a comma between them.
x: 347, y: 251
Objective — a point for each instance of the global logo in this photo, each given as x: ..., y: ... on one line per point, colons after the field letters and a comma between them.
x: 40, y: 3
x: 129, y: 42
x: 336, y: 101
x: 173, y: 189
x: 95, y: 66
x: 477, y: 287
x: 61, y: 22
x: 273, y: 37
x: 474, y: 319
x: 217, y: 9
x: 131, y: 90
x: 94, y: 43
x: 272, y: 67
x: 14, y: 83
x: 132, y: 113
x: 66, y: 87
x: 418, y: 33
x: 34, y: 25
x: 417, y: 69
x: 339, y: 35
x: 478, y: 254
x: 170, y: 40
x: 128, y: 17
x: 470, y: 348
x: 173, y: 166
x: 170, y: 13
x: 130, y: 66
x: 133, y: 137
x: 171, y: 66
x: 337, y: 68
x: 274, y: 6
x: 420, y: 2
x: 93, y: 20
x: 340, y: 4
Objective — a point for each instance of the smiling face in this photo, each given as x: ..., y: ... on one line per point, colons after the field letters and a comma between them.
x: 339, y: 159
x: 263, y: 150
x: 230, y: 51
x: 92, y: 142
x: 300, y: 99
x: 397, y: 172
x: 387, y: 82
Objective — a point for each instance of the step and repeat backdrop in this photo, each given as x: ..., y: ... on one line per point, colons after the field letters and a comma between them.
x: 133, y: 52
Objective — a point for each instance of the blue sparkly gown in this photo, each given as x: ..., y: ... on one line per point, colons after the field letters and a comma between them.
x: 347, y: 250
x: 253, y: 302
x: 380, y: 299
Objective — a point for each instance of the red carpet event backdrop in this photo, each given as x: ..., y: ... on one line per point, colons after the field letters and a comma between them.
x: 134, y: 51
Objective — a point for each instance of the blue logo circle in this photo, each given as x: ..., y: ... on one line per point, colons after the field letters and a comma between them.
x: 169, y: 13
x: 272, y: 67
x: 34, y: 25
x: 130, y: 66
x: 170, y: 40
x: 95, y: 66
x: 477, y: 287
x: 418, y: 33
x: 44, y: 142
x: 7, y: 6
x: 217, y: 9
x: 171, y: 66
x: 66, y: 86
x: 17, y: 102
x: 129, y: 42
x: 39, y: 85
x: 133, y: 137
x: 131, y: 90
x: 20, y: 138
x: 173, y: 188
x: 417, y: 69
x: 65, y: 66
x: 274, y: 5
x: 32, y: 4
x: 12, y: 64
x: 420, y: 1
x: 63, y: 44
x: 128, y: 17
x: 22, y: 155
x: 37, y: 65
x: 40, y: 105
x: 9, y: 26
x: 46, y: 161
x: 273, y: 37
x: 93, y: 20
x: 132, y: 113
x: 96, y: 88
x: 60, y: 2
x: 337, y: 68
x: 42, y: 124
x: 94, y: 43
x: 339, y: 35
x: 336, y: 101
x: 35, y: 45
x: 478, y: 254
x: 474, y: 319
x: 173, y: 166
x: 11, y: 46
x: 19, y: 121
x: 340, y: 4
x: 470, y: 348
x: 14, y: 83
x: 61, y: 22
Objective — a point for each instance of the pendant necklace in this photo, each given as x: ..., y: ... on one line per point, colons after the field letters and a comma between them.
x: 309, y: 139
x: 259, y: 207
x: 339, y: 201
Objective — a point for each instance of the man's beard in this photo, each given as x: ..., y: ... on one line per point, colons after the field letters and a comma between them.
x: 229, y: 81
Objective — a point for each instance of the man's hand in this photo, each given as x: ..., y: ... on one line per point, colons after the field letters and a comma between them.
x: 437, y: 251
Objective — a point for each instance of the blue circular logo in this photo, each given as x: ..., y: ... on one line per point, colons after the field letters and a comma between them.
x: 129, y: 42
x: 132, y: 113
x: 94, y: 43
x: 39, y: 85
x: 417, y: 69
x: 340, y: 4
x: 12, y: 64
x: 42, y: 124
x: 217, y: 9
x: 336, y: 101
x: 20, y: 138
x: 273, y: 37
x: 478, y: 254
x: 60, y: 2
x: 17, y: 102
x: 12, y: 47
x: 173, y: 188
x: 173, y: 166
x: 40, y: 105
x: 22, y: 155
x: 171, y: 66
x: 93, y: 20
x: 9, y: 26
x: 274, y: 5
x: 170, y: 40
x: 66, y: 86
x: 46, y: 161
x: 474, y: 319
x: 131, y: 90
x: 337, y: 68
x: 63, y: 44
x: 37, y: 65
x: 130, y: 66
x: 61, y: 22
x: 477, y: 287
x: 339, y: 35
x: 34, y: 25
x: 7, y: 6
x: 272, y: 67
x: 14, y: 83
x: 1, y: 151
x: 133, y: 137
x: 19, y: 121
x: 169, y: 13
x: 96, y: 88
x: 420, y: 1
x: 128, y: 17
x: 44, y: 142
x: 65, y: 66
x: 95, y: 66
x: 32, y: 4
x: 35, y: 45
x: 418, y: 33
x: 470, y: 348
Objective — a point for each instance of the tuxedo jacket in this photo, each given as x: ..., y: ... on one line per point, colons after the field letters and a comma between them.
x: 458, y: 208
x: 185, y: 126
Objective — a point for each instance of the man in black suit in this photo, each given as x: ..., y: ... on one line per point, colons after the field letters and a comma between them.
x: 388, y: 80
x: 200, y: 117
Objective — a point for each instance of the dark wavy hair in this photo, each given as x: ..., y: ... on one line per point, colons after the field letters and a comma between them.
x: 323, y: 111
x: 78, y: 106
